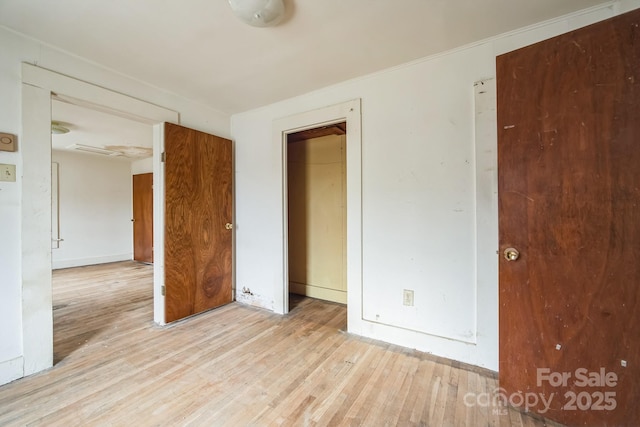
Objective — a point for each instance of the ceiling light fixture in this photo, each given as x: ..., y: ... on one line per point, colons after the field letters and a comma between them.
x: 258, y: 13
x: 58, y: 129
x: 94, y: 150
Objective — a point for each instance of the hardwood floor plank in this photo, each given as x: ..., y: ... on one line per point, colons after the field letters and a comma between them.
x: 232, y: 366
x: 391, y: 396
x: 360, y: 408
x: 412, y: 408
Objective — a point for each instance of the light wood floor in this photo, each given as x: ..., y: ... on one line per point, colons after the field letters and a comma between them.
x: 234, y: 366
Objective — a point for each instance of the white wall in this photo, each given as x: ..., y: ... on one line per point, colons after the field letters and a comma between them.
x: 95, y: 196
x: 421, y: 206
x: 15, y: 49
x: 10, y: 250
x: 142, y: 166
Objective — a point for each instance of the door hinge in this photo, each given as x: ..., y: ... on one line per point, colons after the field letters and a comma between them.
x: 164, y: 292
x: 163, y: 157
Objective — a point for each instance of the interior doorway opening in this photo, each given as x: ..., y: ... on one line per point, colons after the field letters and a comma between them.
x: 317, y: 213
x: 98, y: 214
x: 98, y: 202
x: 38, y: 86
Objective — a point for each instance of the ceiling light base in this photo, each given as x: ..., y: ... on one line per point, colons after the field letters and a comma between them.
x: 258, y: 13
x: 58, y: 129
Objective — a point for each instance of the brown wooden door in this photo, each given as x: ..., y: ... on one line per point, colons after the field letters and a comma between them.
x: 569, y: 201
x: 198, y: 215
x: 143, y: 217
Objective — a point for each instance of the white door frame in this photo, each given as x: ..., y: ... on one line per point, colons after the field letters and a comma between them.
x: 348, y: 112
x: 38, y: 87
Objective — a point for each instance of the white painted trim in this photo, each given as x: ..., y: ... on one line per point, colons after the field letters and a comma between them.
x: 80, y: 262
x: 77, y: 92
x: 158, y: 224
x: 11, y: 370
x: 39, y: 85
x: 350, y: 112
x: 37, y: 309
x: 55, y: 205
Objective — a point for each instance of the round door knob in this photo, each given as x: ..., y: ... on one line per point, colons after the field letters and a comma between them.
x: 511, y: 254
x: 228, y: 226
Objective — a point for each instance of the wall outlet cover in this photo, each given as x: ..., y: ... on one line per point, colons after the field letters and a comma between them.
x: 7, y: 173
x: 8, y: 142
x: 407, y: 297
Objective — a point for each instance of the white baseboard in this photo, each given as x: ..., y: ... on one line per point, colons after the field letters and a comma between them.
x: 79, y: 262
x: 11, y: 370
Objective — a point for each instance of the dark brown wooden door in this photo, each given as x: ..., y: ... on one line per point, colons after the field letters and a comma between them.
x: 569, y: 202
x: 198, y: 216
x: 143, y: 217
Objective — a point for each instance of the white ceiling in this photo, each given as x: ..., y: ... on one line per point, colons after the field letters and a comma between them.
x: 97, y: 129
x: 199, y: 50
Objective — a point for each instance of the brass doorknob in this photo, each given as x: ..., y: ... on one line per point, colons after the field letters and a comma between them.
x: 228, y: 226
x: 511, y: 254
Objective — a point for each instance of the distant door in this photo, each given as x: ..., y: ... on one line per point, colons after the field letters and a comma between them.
x: 143, y: 217
x: 198, y: 216
x: 569, y: 203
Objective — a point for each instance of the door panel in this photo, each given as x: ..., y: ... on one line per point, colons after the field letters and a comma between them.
x: 143, y: 217
x: 569, y: 202
x: 198, y: 205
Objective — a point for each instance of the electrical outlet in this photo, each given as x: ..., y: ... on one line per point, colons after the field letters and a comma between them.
x: 8, y: 173
x: 407, y: 297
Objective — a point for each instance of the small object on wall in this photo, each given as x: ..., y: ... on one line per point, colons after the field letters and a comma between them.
x: 8, y: 142
x: 8, y: 173
x: 407, y: 297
